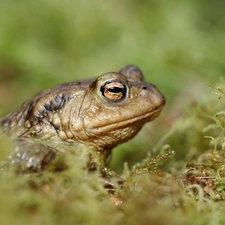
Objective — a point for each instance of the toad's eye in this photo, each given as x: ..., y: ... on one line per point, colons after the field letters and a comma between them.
x: 113, y: 91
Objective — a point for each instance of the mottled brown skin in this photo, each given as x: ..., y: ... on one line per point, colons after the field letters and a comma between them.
x: 98, y: 113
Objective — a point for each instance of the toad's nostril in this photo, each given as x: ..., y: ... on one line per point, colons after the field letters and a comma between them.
x: 144, y: 87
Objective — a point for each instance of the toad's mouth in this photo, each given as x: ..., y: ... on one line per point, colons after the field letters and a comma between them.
x: 139, y: 121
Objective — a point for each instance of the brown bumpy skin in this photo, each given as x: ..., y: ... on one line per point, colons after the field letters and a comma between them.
x: 98, y: 113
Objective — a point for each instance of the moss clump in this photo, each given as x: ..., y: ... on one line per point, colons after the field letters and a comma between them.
x: 154, y: 191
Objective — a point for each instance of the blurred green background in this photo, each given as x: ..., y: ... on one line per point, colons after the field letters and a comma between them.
x: 179, y: 45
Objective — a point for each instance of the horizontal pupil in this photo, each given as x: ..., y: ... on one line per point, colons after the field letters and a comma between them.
x: 115, y: 89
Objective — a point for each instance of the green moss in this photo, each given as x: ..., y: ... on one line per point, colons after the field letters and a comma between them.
x: 151, y: 192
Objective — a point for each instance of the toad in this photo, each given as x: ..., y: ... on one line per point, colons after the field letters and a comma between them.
x: 98, y: 113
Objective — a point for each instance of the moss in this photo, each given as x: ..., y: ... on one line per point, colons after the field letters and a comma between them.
x: 148, y: 193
